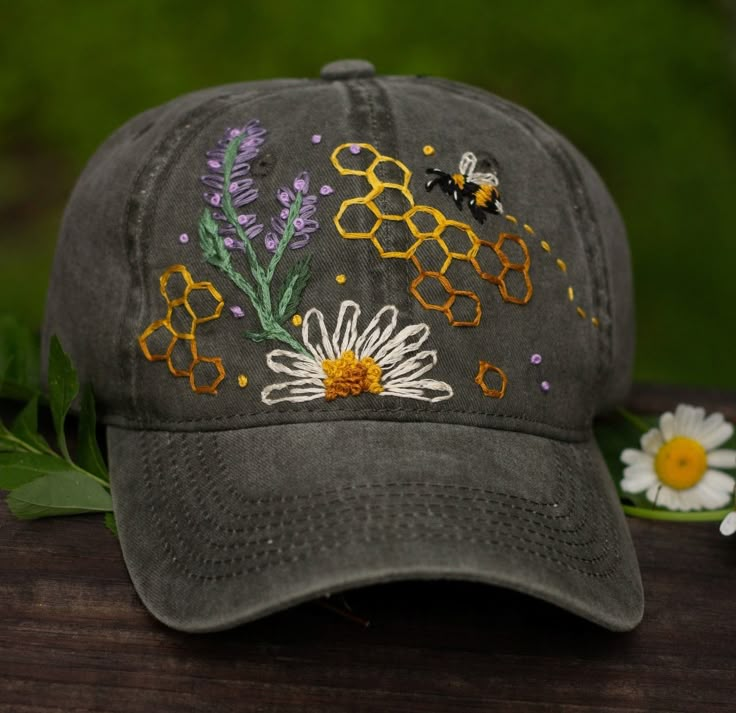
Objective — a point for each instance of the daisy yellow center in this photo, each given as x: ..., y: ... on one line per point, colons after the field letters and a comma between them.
x: 346, y: 376
x: 681, y: 463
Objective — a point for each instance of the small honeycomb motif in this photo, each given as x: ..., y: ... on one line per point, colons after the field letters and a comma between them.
x: 178, y: 330
x: 451, y: 240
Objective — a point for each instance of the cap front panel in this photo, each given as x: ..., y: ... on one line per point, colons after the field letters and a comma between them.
x: 363, y: 249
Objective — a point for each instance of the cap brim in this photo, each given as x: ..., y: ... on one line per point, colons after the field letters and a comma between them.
x: 218, y: 528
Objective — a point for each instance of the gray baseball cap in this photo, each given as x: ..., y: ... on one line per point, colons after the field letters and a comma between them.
x: 351, y: 330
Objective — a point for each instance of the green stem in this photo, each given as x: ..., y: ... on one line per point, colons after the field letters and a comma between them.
x: 634, y: 420
x: 701, y: 516
x: 296, y: 206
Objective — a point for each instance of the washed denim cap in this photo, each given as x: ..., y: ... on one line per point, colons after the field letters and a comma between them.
x: 351, y: 330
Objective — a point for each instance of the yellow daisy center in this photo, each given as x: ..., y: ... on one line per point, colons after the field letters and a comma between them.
x: 346, y: 376
x: 681, y: 463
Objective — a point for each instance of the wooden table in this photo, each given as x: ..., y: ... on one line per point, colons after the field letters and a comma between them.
x: 74, y: 637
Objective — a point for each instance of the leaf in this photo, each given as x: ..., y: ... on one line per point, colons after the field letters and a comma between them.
x: 25, y: 427
x: 258, y: 336
x: 68, y: 493
x: 292, y: 289
x: 88, y: 453
x: 19, y: 348
x: 110, y: 523
x: 213, y: 248
x: 63, y: 388
x: 17, y: 469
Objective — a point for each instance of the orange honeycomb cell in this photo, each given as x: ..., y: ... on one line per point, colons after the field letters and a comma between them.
x: 480, y: 379
x: 179, y: 328
x: 486, y: 265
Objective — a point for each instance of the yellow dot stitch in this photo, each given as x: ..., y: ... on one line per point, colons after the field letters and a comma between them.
x: 511, y: 219
x: 346, y: 376
x: 296, y: 320
x: 340, y: 279
x: 545, y: 246
x: 681, y: 463
x: 242, y: 381
x: 561, y: 264
x: 581, y: 312
x: 529, y: 229
x: 595, y: 321
x: 428, y: 150
x: 571, y: 294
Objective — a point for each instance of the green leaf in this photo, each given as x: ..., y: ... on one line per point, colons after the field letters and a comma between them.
x: 88, y: 449
x: 258, y: 336
x: 17, y: 469
x: 63, y: 388
x: 58, y: 494
x: 110, y: 523
x: 25, y: 427
x: 213, y: 248
x: 292, y: 289
x: 19, y: 348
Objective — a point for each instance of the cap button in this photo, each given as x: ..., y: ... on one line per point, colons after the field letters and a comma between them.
x: 348, y: 69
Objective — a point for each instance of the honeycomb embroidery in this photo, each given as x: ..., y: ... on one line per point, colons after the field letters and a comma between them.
x: 434, y: 242
x: 480, y: 379
x: 178, y: 330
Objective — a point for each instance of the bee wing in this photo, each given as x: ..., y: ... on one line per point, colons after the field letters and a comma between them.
x: 467, y: 163
x: 488, y: 179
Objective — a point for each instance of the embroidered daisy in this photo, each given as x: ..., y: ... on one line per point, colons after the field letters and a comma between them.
x: 677, y: 466
x: 379, y: 360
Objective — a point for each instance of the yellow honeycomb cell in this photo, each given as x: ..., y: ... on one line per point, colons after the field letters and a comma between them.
x: 179, y: 328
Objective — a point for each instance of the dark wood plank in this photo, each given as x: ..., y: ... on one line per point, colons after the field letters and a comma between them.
x: 74, y: 637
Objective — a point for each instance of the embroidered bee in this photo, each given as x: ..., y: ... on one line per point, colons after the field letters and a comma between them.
x: 480, y: 189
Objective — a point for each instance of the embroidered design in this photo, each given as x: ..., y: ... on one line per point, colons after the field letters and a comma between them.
x: 177, y: 330
x: 428, y: 150
x: 341, y: 279
x: 183, y: 238
x: 379, y: 360
x: 431, y: 241
x: 223, y: 232
x: 242, y: 381
x: 545, y: 386
x: 480, y: 379
x: 479, y: 189
x: 561, y: 266
x: 535, y: 359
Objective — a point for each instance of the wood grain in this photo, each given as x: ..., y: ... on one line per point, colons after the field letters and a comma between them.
x: 74, y: 637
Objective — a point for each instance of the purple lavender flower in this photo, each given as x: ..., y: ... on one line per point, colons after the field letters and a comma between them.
x: 240, y: 188
x: 304, y: 225
x: 271, y: 241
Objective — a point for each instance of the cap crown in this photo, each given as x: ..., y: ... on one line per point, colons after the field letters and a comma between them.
x: 528, y: 310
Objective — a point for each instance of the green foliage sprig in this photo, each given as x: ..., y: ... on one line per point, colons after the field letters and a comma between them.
x: 40, y: 481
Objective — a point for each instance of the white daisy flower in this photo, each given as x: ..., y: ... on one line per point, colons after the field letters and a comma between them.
x: 377, y: 360
x: 677, y: 467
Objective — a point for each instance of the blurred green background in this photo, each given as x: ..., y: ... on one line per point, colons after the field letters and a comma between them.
x: 645, y: 89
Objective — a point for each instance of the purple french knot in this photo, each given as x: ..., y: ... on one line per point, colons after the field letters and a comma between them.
x: 354, y: 149
x: 237, y: 311
x: 271, y: 241
x: 183, y: 238
x: 545, y: 386
x: 326, y: 190
x: 316, y: 138
x: 536, y: 359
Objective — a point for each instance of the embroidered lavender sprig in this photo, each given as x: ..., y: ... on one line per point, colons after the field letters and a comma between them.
x: 238, y: 186
x: 218, y: 250
x: 304, y: 224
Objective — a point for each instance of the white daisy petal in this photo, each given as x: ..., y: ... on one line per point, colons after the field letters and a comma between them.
x: 708, y: 497
x: 283, y: 361
x: 346, y: 331
x: 411, y: 368
x: 422, y: 390
x: 637, y: 481
x: 377, y: 332
x: 728, y: 525
x: 717, y: 437
x: 719, y: 481
x: 687, y: 420
x: 652, y: 441
x: 406, y: 341
x: 651, y: 493
x: 712, y: 423
x: 315, y: 337
x: 297, y: 390
x: 724, y: 458
x: 632, y: 456
x: 667, y: 425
